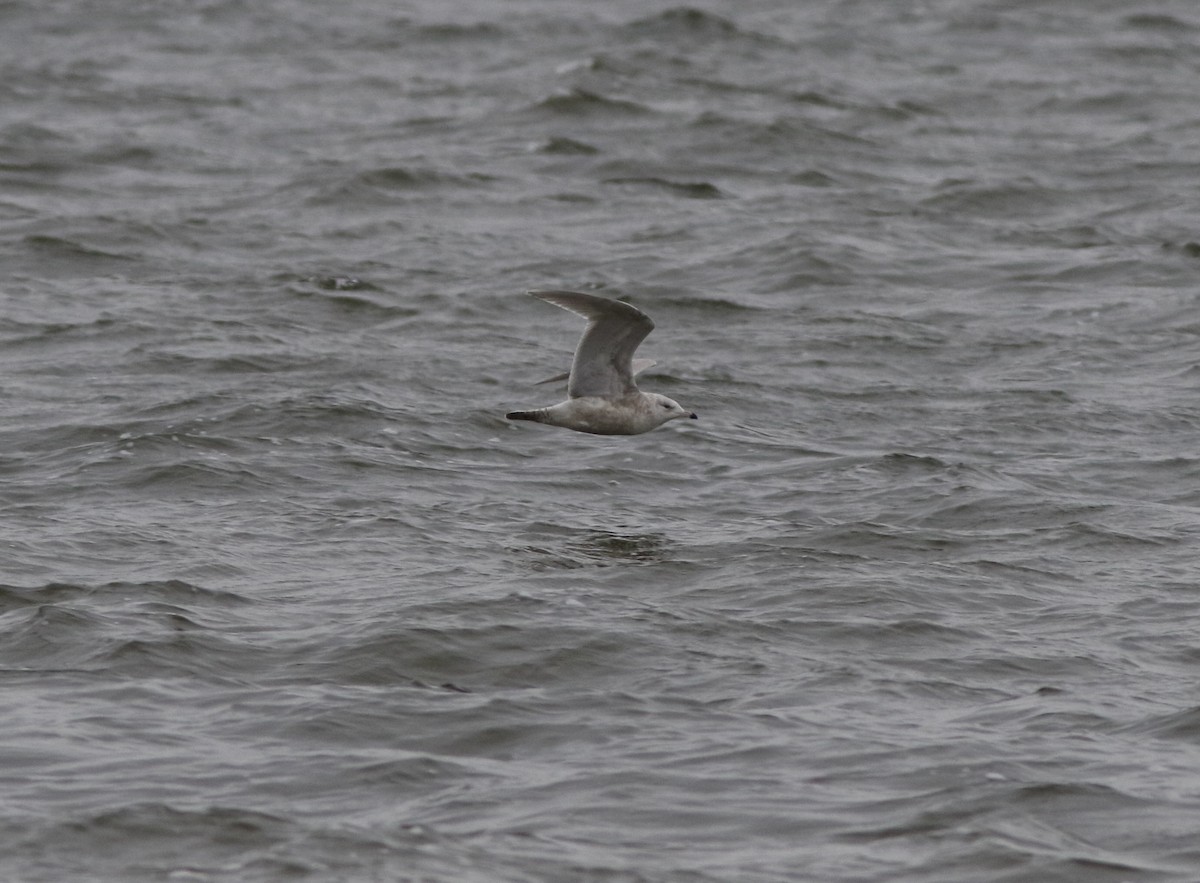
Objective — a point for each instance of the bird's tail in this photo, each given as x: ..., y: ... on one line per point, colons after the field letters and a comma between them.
x: 538, y: 416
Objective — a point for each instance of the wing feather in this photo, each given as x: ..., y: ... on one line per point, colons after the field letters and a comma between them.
x: 603, y: 363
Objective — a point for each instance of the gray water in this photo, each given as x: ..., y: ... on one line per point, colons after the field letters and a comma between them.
x: 286, y: 598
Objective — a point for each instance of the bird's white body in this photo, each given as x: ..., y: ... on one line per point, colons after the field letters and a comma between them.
x: 627, y: 415
x: 604, y: 399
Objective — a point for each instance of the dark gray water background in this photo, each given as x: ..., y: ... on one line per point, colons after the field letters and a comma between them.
x: 285, y: 598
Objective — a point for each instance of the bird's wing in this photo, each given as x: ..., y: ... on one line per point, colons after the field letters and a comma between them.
x: 639, y: 365
x: 603, y: 364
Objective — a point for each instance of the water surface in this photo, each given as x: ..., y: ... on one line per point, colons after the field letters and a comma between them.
x: 284, y: 595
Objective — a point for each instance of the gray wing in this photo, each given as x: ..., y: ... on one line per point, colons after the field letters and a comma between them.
x: 639, y: 365
x: 604, y: 356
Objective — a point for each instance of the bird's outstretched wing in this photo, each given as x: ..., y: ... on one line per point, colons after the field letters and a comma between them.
x: 603, y: 364
x: 639, y: 365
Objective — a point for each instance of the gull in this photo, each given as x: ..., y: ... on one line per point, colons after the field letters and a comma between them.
x: 603, y: 398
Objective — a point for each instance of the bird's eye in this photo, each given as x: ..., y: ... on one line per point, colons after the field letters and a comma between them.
x: 667, y: 407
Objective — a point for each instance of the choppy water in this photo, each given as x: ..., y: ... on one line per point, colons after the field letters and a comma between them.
x: 285, y: 597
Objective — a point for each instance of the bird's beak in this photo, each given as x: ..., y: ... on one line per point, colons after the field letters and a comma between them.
x: 693, y: 416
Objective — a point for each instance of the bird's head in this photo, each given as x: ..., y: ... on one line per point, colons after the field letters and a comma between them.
x: 669, y: 409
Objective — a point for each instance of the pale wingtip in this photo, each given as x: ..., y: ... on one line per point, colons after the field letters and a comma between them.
x: 591, y: 306
x: 542, y: 292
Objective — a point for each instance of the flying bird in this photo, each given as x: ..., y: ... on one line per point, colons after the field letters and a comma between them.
x: 603, y: 398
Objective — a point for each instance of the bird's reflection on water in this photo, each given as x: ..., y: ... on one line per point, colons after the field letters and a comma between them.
x: 598, y: 548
